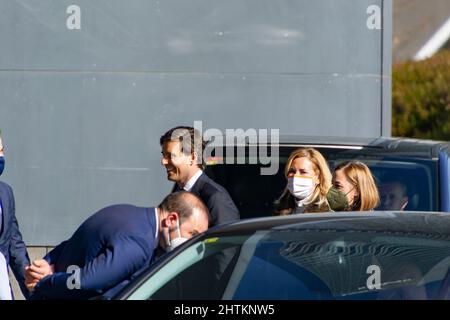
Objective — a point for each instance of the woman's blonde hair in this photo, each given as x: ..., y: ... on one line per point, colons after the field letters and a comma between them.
x: 359, y: 175
x: 286, y: 202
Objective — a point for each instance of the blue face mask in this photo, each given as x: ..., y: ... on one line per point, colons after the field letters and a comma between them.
x: 2, y: 164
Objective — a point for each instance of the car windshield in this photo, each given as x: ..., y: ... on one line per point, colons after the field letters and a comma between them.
x: 409, y: 180
x: 307, y: 262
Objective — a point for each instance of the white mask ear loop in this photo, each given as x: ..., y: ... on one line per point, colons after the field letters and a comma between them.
x: 176, y: 241
x: 178, y: 226
x: 179, y: 233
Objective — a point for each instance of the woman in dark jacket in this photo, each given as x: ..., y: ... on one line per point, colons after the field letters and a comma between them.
x: 309, y: 187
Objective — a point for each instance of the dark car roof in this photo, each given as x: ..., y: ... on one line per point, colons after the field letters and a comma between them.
x: 417, y: 148
x: 430, y: 225
x: 374, y: 221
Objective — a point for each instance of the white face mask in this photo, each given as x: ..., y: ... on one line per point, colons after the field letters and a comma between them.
x: 176, y: 241
x: 301, y: 187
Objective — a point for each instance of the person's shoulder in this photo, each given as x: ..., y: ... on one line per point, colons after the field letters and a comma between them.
x: 212, y: 192
x: 121, y: 218
x: 6, y: 189
x: 117, y: 212
x: 122, y: 207
x: 317, y: 207
x: 4, y: 185
x: 209, y: 186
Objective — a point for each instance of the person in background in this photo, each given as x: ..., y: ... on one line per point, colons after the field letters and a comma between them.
x: 354, y: 179
x: 12, y: 247
x: 309, y: 187
x: 394, y: 196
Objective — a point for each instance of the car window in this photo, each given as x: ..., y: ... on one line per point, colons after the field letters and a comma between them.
x: 184, y: 260
x: 255, y: 194
x: 308, y: 264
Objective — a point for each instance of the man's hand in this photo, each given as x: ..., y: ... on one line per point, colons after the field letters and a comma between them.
x: 38, y: 270
x: 31, y: 284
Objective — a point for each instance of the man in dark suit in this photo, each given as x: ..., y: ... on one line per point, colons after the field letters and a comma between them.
x: 182, y: 156
x: 114, y: 245
x: 11, y: 244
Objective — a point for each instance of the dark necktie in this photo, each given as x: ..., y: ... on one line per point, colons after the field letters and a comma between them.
x: 177, y: 188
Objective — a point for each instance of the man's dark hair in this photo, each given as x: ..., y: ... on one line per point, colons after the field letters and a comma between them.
x: 183, y: 203
x: 191, y: 141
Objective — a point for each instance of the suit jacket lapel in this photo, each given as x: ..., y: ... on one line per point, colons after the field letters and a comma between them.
x: 5, y: 209
x: 197, y: 187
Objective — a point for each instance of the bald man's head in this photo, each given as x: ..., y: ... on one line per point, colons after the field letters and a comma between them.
x: 184, y: 204
x: 182, y: 215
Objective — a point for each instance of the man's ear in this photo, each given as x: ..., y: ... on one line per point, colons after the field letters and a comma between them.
x: 170, y: 220
x: 194, y: 158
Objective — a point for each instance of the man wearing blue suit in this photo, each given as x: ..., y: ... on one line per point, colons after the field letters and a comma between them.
x: 12, y: 246
x: 182, y: 157
x: 114, y: 245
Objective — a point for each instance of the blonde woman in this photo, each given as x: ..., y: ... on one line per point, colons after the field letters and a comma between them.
x: 354, y: 179
x: 308, y: 182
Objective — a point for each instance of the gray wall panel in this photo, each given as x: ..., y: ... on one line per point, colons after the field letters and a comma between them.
x: 298, y: 36
x: 81, y: 111
x: 74, y: 151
